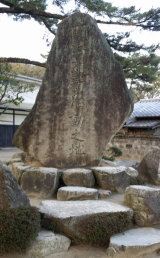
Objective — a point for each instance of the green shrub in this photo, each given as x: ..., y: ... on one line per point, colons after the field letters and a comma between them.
x: 99, y: 228
x: 17, y: 228
x: 54, y: 227
x: 114, y: 152
x: 108, y: 158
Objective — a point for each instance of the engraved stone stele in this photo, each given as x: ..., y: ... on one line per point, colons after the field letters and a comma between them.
x: 83, y: 100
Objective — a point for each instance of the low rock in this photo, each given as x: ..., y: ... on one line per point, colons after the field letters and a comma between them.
x: 41, y: 182
x: 24, y: 157
x: 134, y: 176
x: 68, y: 215
x: 132, y: 172
x: 17, y: 160
x: 47, y: 243
x: 103, y: 194
x: 145, y: 201
x: 11, y: 195
x: 78, y: 177
x: 17, y: 156
x: 15, y: 165
x: 149, y: 167
x: 71, y: 193
x: 18, y: 171
x: 106, y: 163
x: 134, y: 243
x: 112, y: 178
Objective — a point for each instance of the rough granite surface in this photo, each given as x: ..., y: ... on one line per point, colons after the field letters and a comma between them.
x: 11, y: 195
x: 78, y: 177
x: 47, y: 243
x: 83, y: 100
x: 112, y: 178
x: 134, y: 243
x: 71, y: 193
x: 67, y: 215
x: 41, y: 182
x: 145, y: 201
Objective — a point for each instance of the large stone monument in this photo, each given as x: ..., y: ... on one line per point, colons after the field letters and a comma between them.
x: 83, y: 100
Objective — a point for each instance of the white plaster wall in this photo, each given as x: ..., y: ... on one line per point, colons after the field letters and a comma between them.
x: 29, y: 100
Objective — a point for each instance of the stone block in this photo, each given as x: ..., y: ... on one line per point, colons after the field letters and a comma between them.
x: 18, y: 171
x: 112, y: 178
x: 48, y: 243
x: 72, y: 193
x: 145, y: 201
x: 78, y: 177
x: 41, y: 182
x: 149, y: 167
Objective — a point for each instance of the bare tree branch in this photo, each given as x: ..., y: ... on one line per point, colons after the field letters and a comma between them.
x: 22, y: 60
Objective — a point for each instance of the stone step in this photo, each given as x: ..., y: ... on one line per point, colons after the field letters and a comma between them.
x: 47, y: 243
x: 112, y: 178
x: 140, y: 243
x: 69, y: 215
x: 71, y: 193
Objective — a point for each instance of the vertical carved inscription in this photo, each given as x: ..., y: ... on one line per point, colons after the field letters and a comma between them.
x: 77, y: 89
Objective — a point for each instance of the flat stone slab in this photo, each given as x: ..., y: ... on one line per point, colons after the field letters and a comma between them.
x: 78, y: 177
x: 71, y: 193
x: 42, y: 182
x: 145, y: 201
x: 112, y: 178
x: 134, y: 243
x: 68, y: 214
x: 47, y: 243
x: 107, y: 163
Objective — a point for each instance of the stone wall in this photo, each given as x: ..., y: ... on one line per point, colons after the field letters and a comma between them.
x: 134, y: 147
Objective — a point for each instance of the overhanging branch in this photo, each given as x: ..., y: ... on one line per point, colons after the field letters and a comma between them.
x: 22, y: 60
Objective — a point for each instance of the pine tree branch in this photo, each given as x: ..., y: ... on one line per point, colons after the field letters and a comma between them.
x: 21, y: 60
x: 136, y: 24
x: 33, y: 13
x: 47, y: 26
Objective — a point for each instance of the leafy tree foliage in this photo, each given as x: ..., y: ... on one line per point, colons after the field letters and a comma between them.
x: 10, y: 88
x: 141, y: 68
x: 28, y: 70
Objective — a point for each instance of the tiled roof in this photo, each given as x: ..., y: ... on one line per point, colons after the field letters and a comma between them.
x: 144, y: 123
x: 145, y: 108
